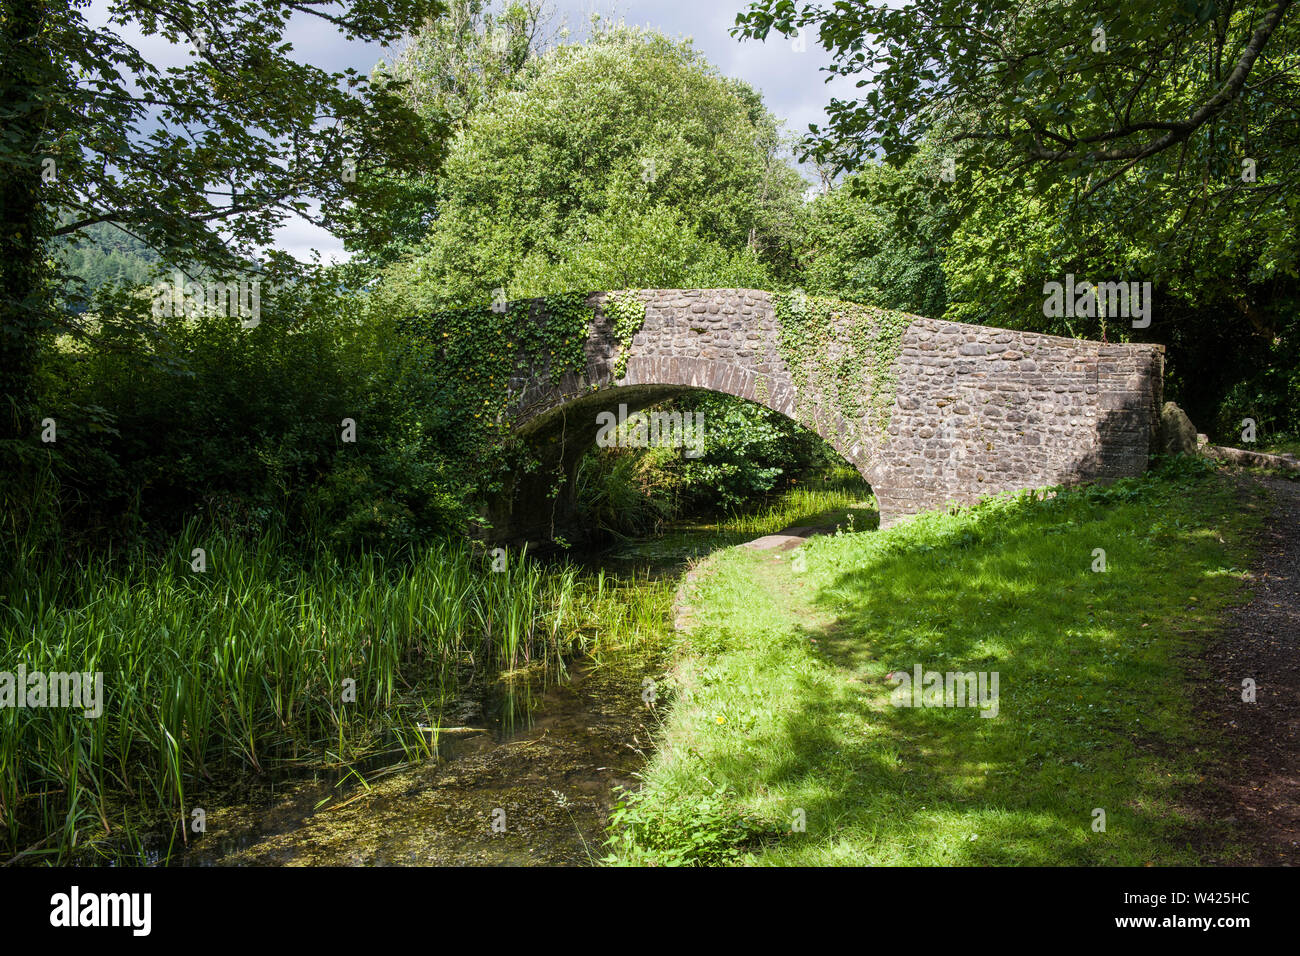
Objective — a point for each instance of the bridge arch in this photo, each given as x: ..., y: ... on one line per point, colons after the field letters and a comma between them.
x: 930, y: 412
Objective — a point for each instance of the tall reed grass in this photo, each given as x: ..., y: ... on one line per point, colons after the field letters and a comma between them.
x: 244, y: 666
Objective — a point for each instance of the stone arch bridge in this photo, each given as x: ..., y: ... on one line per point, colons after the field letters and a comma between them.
x: 929, y: 412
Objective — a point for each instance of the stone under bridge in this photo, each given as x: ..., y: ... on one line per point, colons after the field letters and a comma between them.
x: 930, y: 412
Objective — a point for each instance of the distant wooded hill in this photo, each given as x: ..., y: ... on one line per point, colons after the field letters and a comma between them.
x: 105, y: 254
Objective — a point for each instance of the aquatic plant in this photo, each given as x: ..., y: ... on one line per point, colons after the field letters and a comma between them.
x: 264, y: 660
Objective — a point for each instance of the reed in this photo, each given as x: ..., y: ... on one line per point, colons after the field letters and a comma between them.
x: 247, y: 665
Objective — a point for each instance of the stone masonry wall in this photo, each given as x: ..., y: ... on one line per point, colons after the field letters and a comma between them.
x: 976, y: 410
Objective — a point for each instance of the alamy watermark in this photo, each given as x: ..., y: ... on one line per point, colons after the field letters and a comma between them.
x: 32, y: 689
x: 651, y: 430
x: 924, y: 688
x: 129, y: 910
x: 181, y: 298
x: 1125, y: 300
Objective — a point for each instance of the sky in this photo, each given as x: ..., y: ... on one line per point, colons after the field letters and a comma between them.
x: 791, y: 80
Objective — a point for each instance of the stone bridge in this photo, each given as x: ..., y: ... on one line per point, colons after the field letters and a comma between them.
x: 929, y: 412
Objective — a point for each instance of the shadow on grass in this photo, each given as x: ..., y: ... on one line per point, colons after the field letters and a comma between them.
x: 1093, y: 710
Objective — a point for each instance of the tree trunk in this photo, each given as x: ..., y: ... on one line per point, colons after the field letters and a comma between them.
x: 26, y: 76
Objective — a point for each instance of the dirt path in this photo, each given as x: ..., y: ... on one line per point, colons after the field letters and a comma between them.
x: 1255, y: 788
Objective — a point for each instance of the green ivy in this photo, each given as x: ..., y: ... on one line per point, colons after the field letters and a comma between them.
x: 866, y: 341
x: 463, y: 360
x: 564, y: 333
x: 485, y: 345
x: 627, y: 309
x: 466, y: 357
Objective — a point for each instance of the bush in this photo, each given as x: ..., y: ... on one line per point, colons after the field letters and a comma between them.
x: 160, y: 421
x: 650, y: 828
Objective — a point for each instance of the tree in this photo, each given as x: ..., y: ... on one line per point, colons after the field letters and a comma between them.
x: 624, y: 162
x: 1082, y: 82
x: 453, y: 64
x: 448, y: 68
x: 880, y: 237
x: 1146, y: 140
x: 202, y: 161
x: 1197, y: 102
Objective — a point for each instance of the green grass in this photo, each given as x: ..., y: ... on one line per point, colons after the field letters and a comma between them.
x: 782, y: 700
x: 838, y: 499
x: 242, y: 668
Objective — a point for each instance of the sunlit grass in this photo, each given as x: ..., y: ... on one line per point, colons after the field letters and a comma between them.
x: 841, y: 499
x: 783, y: 696
x: 830, y: 500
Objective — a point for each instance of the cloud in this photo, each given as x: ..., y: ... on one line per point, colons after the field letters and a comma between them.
x: 301, y: 239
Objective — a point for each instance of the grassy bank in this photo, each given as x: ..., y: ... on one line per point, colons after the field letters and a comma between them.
x: 782, y: 746
x: 262, y: 662
x: 840, y: 498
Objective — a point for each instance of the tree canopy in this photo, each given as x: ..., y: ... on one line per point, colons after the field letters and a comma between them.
x: 1106, y: 138
x: 202, y: 160
x: 624, y: 162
